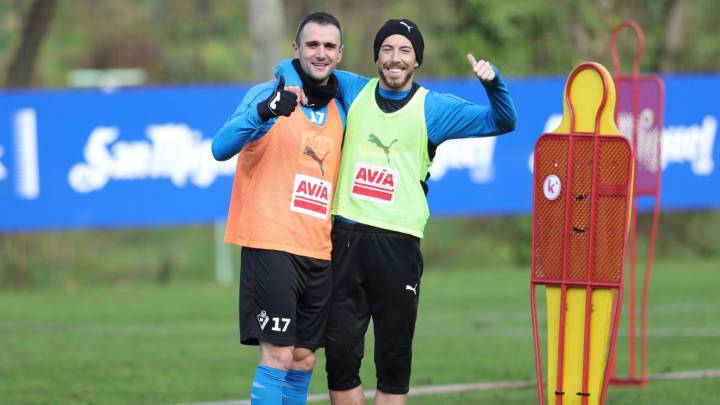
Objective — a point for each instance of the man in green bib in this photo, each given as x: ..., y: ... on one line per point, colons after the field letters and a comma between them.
x: 393, y: 129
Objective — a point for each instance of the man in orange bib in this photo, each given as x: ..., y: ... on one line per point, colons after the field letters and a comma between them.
x: 288, y: 160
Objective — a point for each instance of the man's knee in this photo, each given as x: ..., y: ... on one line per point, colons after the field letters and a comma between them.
x: 303, y: 359
x: 279, y: 357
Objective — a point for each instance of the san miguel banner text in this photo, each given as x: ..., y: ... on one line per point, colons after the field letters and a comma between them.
x: 141, y: 157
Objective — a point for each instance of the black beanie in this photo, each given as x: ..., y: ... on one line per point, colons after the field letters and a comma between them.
x: 406, y: 28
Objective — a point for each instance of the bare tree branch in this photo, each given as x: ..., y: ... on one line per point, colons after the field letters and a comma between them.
x: 35, y: 26
x: 266, y: 30
x: 675, y: 31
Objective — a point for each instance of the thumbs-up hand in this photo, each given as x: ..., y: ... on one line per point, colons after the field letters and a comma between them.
x: 299, y: 92
x: 280, y: 102
x: 482, y: 68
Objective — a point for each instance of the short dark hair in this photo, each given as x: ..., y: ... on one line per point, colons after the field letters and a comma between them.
x: 320, y: 18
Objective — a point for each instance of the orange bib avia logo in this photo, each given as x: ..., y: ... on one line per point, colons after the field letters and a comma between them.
x: 374, y: 183
x: 311, y: 196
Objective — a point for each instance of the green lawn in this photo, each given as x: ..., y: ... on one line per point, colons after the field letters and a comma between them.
x: 177, y: 343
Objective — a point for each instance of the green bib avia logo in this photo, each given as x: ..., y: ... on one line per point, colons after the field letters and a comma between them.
x: 379, y: 143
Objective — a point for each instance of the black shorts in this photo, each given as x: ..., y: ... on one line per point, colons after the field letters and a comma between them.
x: 283, y: 298
x: 376, y: 273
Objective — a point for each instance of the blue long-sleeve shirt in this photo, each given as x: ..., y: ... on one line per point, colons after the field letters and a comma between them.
x: 245, y: 125
x: 446, y: 116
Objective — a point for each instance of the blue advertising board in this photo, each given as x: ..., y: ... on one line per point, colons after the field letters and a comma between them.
x: 141, y: 157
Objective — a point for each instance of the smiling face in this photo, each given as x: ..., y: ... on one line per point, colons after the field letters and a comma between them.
x: 396, y: 63
x: 319, y: 50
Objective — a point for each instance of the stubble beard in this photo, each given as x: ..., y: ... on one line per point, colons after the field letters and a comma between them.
x: 388, y: 84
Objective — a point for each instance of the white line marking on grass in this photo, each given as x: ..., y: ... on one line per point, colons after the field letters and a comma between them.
x: 480, y: 386
x: 485, y: 386
x: 686, y: 375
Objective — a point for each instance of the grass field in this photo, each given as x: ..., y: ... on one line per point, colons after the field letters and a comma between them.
x: 177, y: 343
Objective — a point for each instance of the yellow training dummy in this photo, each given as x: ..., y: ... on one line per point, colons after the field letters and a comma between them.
x: 583, y: 172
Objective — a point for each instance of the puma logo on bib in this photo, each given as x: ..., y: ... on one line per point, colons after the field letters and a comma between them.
x: 379, y: 143
x: 311, y: 196
x: 374, y: 183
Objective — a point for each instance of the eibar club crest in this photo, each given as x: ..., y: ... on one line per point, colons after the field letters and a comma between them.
x: 374, y: 183
x: 311, y: 196
x: 262, y: 319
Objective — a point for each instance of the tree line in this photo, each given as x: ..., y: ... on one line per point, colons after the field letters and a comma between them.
x: 216, y: 41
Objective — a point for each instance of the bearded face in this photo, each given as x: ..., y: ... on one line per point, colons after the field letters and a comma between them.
x: 396, y: 63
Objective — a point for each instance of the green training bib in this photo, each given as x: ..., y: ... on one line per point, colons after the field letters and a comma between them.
x: 384, y: 159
